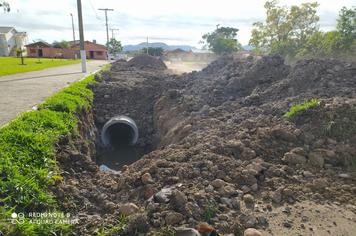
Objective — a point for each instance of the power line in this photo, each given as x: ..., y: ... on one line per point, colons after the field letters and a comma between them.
x: 93, y: 8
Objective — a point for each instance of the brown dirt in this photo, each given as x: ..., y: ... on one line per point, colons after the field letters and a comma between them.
x: 217, y: 143
x: 147, y: 62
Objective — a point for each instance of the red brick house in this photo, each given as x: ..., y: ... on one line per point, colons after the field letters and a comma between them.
x: 43, y: 49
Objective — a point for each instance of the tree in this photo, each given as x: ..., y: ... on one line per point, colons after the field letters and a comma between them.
x: 5, y: 6
x: 61, y: 44
x: 322, y: 44
x: 340, y: 43
x: 114, y: 46
x: 346, y: 26
x: 285, y: 30
x: 153, y: 51
x: 222, y: 40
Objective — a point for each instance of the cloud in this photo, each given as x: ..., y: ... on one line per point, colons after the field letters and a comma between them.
x: 173, y: 21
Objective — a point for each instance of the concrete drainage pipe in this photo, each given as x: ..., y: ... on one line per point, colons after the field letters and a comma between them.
x: 119, y: 131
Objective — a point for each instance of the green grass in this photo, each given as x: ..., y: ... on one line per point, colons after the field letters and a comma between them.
x: 210, y: 211
x: 27, y: 158
x: 115, y: 229
x: 298, y: 109
x: 12, y: 65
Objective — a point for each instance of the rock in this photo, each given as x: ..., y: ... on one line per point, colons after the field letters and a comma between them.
x: 226, y: 201
x: 146, y: 178
x: 178, y: 201
x: 249, y: 221
x: 276, y: 196
x: 294, y: 158
x: 128, y: 209
x: 307, y: 174
x: 236, y: 203
x: 186, y: 232
x: 252, y: 232
x: 173, y: 218
x: 248, y: 153
x: 254, y: 187
x: 136, y: 224
x: 344, y: 176
x: 227, y: 190
x: 248, y: 199
x: 218, y: 183
x: 163, y: 195
x: 320, y: 184
x: 316, y: 159
x: 288, y: 192
x: 245, y: 189
x: 283, y: 134
x: 209, y: 189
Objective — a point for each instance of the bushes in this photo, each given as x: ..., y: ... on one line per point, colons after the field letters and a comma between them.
x: 301, y: 108
x: 27, y: 164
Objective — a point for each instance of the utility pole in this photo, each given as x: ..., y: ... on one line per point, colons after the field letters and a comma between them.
x: 83, y: 55
x: 147, y: 46
x: 106, y: 20
x: 112, y: 32
x: 73, y: 28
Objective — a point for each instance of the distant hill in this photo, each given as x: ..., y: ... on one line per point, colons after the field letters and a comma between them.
x: 128, y: 48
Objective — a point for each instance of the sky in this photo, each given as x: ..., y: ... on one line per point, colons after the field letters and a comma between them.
x: 170, y: 21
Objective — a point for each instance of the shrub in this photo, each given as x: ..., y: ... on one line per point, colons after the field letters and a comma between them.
x: 298, y: 109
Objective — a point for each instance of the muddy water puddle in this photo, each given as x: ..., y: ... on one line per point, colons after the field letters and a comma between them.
x: 115, y: 159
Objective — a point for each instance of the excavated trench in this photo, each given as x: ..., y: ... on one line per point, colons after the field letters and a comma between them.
x: 212, y: 138
x: 124, y: 114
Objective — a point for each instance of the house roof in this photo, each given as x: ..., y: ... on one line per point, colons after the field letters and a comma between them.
x: 76, y: 43
x: 5, y: 29
x: 39, y: 44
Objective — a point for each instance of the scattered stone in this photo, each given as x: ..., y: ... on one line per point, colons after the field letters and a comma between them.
x: 186, y: 232
x: 249, y: 199
x: 276, y: 196
x: 147, y: 178
x: 128, y: 209
x: 294, y: 158
x: 218, y: 183
x: 163, y: 195
x: 173, y: 218
x: 316, y: 159
x: 178, y: 201
x: 252, y: 232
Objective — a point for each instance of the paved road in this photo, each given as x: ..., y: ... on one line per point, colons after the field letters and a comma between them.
x: 20, y: 92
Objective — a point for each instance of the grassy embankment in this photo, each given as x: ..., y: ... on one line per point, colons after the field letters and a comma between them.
x: 27, y: 159
x: 12, y: 65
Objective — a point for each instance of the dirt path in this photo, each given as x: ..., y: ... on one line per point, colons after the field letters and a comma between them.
x: 20, y: 92
x: 180, y: 67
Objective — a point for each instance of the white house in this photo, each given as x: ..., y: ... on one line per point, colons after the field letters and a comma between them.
x: 10, y: 40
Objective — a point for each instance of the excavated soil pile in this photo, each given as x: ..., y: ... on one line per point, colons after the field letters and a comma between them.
x: 147, y: 62
x: 222, y: 151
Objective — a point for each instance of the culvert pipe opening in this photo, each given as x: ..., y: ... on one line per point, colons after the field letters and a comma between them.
x: 119, y: 131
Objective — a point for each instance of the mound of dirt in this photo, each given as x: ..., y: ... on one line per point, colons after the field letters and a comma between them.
x: 221, y: 152
x: 147, y: 62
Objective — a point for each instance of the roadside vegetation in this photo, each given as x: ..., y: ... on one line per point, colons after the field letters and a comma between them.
x: 27, y: 158
x: 12, y: 65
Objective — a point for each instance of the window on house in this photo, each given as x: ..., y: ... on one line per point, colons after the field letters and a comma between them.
x: 32, y: 50
x: 99, y: 53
